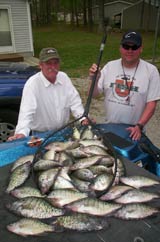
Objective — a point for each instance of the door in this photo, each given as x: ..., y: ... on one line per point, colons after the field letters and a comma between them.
x: 6, y: 31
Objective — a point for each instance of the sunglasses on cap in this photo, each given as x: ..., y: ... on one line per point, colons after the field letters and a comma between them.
x: 132, y: 47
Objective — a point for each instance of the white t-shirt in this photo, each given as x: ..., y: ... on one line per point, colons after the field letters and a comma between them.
x: 125, y: 100
x: 46, y: 106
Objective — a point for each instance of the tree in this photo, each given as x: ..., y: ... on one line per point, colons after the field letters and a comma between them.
x: 41, y: 11
x: 44, y: 11
x: 90, y: 19
x: 84, y: 13
x: 34, y: 12
x: 101, y: 26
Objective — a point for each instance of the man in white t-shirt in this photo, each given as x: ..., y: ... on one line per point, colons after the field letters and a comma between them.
x: 131, y: 86
x: 48, y: 98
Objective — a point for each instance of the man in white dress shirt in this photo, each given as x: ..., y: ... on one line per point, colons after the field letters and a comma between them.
x: 48, y: 98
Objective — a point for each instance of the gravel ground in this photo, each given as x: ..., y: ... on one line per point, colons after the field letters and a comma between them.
x: 97, y: 111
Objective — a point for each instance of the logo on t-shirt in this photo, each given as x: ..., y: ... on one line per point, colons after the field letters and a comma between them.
x: 123, y: 87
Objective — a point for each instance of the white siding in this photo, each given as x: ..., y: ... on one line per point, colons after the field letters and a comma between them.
x: 20, y: 13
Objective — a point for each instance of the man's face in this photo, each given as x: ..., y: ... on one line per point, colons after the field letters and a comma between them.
x: 50, y: 69
x: 130, y: 53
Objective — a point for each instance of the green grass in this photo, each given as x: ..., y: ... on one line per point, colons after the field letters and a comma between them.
x: 79, y: 48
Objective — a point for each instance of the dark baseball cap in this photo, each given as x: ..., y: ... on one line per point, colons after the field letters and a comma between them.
x: 48, y: 54
x: 132, y: 37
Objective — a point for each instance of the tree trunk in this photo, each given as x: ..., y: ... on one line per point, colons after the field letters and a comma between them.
x: 72, y: 12
x: 49, y: 11
x: 84, y: 13
x: 90, y: 19
x: 35, y: 13
x: 76, y: 12
x: 101, y: 27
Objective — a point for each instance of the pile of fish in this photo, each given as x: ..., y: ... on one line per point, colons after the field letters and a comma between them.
x: 75, y: 185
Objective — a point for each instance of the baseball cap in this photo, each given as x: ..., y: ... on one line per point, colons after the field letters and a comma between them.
x: 48, y: 53
x: 132, y: 37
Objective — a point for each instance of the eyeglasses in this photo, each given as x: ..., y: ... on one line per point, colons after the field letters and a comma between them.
x: 132, y: 47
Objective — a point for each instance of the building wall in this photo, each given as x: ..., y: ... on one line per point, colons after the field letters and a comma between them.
x: 21, y: 25
x: 139, y: 16
x: 110, y: 10
x: 113, y: 9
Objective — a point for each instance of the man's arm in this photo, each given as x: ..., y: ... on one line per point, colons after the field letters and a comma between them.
x: 27, y: 109
x: 148, y: 112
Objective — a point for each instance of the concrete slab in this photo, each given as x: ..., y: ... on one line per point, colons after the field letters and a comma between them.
x: 32, y: 61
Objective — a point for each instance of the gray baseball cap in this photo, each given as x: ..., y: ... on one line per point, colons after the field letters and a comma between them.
x: 48, y: 54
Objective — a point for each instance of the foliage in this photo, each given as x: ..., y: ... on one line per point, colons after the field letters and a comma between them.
x: 45, y: 12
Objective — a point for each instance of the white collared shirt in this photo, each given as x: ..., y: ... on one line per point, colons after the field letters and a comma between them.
x: 46, y: 106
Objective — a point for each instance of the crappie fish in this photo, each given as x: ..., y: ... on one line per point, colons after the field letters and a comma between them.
x: 27, y: 191
x: 61, y: 197
x: 87, y: 133
x: 49, y: 155
x: 63, y: 158
x: 84, y: 174
x: 18, y: 176
x: 90, y: 142
x: 115, y: 192
x: 81, y: 185
x: 93, y: 206
x: 136, y: 196
x: 76, y: 133
x: 94, y: 150
x: 27, y: 226
x: 99, y: 169
x: 42, y: 165
x: 63, y: 183
x: 77, y: 153
x: 46, y: 179
x: 60, y: 146
x: 138, y: 181
x: 135, y: 211
x: 107, y: 160
x: 22, y: 160
x: 85, y: 162
x: 34, y: 207
x: 80, y: 222
x: 119, y: 172
x: 64, y: 171
x: 101, y: 182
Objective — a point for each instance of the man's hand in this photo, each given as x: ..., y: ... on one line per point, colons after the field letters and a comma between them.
x: 87, y: 121
x: 16, y: 136
x: 135, y: 132
x: 93, y: 69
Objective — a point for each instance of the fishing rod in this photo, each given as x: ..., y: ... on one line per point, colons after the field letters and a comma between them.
x: 87, y: 106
